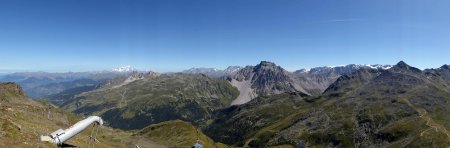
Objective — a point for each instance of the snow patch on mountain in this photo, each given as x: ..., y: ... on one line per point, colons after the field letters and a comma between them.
x: 127, y: 68
x: 343, y: 68
x: 232, y: 69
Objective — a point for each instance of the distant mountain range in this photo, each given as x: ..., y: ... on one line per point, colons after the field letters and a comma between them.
x: 252, y: 81
x: 113, y: 96
x: 127, y: 68
x: 265, y: 105
x: 231, y: 70
x: 213, y: 72
x: 267, y: 78
x: 43, y: 84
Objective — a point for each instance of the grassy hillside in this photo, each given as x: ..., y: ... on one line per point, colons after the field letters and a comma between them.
x: 177, y: 133
x: 156, y: 99
x: 10, y: 91
x: 23, y: 120
x: 259, y: 119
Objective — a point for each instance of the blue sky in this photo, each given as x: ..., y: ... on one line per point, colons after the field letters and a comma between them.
x: 171, y: 35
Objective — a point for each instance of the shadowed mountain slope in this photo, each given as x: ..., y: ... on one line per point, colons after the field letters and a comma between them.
x: 399, y: 107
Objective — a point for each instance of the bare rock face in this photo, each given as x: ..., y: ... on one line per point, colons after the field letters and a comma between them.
x: 151, y: 74
x: 442, y: 72
x: 136, y: 75
x: 244, y: 74
x: 263, y: 79
x: 269, y: 79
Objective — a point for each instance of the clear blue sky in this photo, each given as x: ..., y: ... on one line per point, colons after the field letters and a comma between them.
x: 171, y: 35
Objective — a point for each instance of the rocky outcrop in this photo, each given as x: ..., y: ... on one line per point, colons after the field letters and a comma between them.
x: 264, y: 79
x: 10, y: 90
x: 151, y: 74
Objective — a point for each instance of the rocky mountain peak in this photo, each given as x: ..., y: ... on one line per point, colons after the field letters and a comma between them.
x: 269, y: 68
x: 445, y: 66
x: 136, y: 75
x: 402, y: 66
x: 266, y: 64
x: 150, y: 74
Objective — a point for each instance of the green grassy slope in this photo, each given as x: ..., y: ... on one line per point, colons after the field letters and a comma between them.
x: 23, y: 121
x: 177, y: 133
x: 156, y: 99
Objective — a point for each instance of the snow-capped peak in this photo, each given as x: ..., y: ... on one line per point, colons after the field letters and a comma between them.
x: 200, y: 70
x: 378, y: 66
x: 304, y: 70
x: 127, y: 68
x: 343, y: 68
x: 232, y: 69
x: 373, y: 66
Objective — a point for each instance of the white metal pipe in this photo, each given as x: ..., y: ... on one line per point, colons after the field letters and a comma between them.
x: 60, y: 136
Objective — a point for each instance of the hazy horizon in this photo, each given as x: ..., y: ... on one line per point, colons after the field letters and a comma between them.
x: 2, y: 71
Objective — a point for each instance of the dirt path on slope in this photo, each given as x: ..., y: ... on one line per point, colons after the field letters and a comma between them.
x: 423, y: 114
